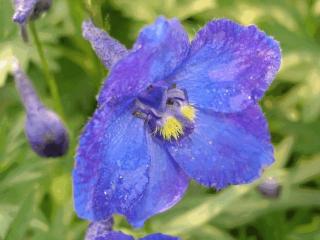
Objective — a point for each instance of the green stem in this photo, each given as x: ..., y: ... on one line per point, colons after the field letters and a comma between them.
x: 48, y: 76
x: 94, y: 10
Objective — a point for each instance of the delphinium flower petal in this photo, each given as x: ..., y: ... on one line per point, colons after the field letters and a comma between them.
x: 229, y: 66
x: 103, y: 231
x: 159, y: 49
x: 98, y: 229
x: 170, y: 109
x: 135, y: 167
x: 159, y: 236
x: 225, y: 148
x: 46, y: 133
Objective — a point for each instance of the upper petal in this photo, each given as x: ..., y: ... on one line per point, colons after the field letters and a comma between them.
x: 159, y: 49
x: 111, y: 167
x: 108, y: 49
x: 23, y: 10
x: 159, y: 236
x: 225, y: 148
x: 229, y: 66
x: 166, y: 186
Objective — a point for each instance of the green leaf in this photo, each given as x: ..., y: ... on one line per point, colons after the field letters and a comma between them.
x: 305, y: 171
x: 21, y: 222
x: 149, y: 10
x: 7, y: 213
x: 206, y: 211
x: 6, y: 60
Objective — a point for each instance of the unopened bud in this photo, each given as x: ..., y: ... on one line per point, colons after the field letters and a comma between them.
x: 270, y: 188
x: 25, y: 10
x: 45, y: 131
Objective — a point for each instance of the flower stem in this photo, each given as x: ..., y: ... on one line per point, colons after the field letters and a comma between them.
x: 48, y: 75
x: 94, y: 10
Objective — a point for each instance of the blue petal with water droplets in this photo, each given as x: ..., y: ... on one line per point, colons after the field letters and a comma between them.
x: 120, y: 169
x: 229, y: 66
x: 159, y: 236
x: 111, y: 170
x: 167, y: 184
x: 225, y: 148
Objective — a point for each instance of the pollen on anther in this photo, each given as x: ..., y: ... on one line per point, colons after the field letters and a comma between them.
x: 188, y: 112
x: 172, y: 128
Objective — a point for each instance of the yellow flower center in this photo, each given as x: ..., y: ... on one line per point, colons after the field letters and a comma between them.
x: 188, y: 112
x: 172, y: 128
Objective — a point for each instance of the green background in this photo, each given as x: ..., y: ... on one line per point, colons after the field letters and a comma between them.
x: 36, y: 194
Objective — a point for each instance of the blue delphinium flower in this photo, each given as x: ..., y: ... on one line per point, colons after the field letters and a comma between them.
x: 25, y: 10
x: 171, y: 111
x: 103, y: 231
x: 45, y: 132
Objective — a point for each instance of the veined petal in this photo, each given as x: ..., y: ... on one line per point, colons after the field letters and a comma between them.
x: 225, y: 148
x: 23, y: 10
x: 159, y: 236
x: 160, y: 48
x: 111, y: 170
x: 167, y: 184
x: 229, y: 66
x: 109, y: 50
x: 120, y: 169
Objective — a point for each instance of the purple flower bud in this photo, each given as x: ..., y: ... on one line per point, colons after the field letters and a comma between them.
x: 45, y: 131
x: 25, y: 10
x: 270, y: 188
x: 29, y: 9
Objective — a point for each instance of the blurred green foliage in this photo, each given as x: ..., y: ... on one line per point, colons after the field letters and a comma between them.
x: 36, y: 194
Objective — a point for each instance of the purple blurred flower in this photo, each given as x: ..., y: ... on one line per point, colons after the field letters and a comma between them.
x: 270, y: 188
x: 171, y: 111
x: 45, y: 132
x: 25, y: 10
x: 103, y: 231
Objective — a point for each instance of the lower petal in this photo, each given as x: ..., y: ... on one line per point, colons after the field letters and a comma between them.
x: 225, y: 148
x: 167, y: 184
x: 114, y: 236
x: 111, y: 170
x: 159, y: 236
